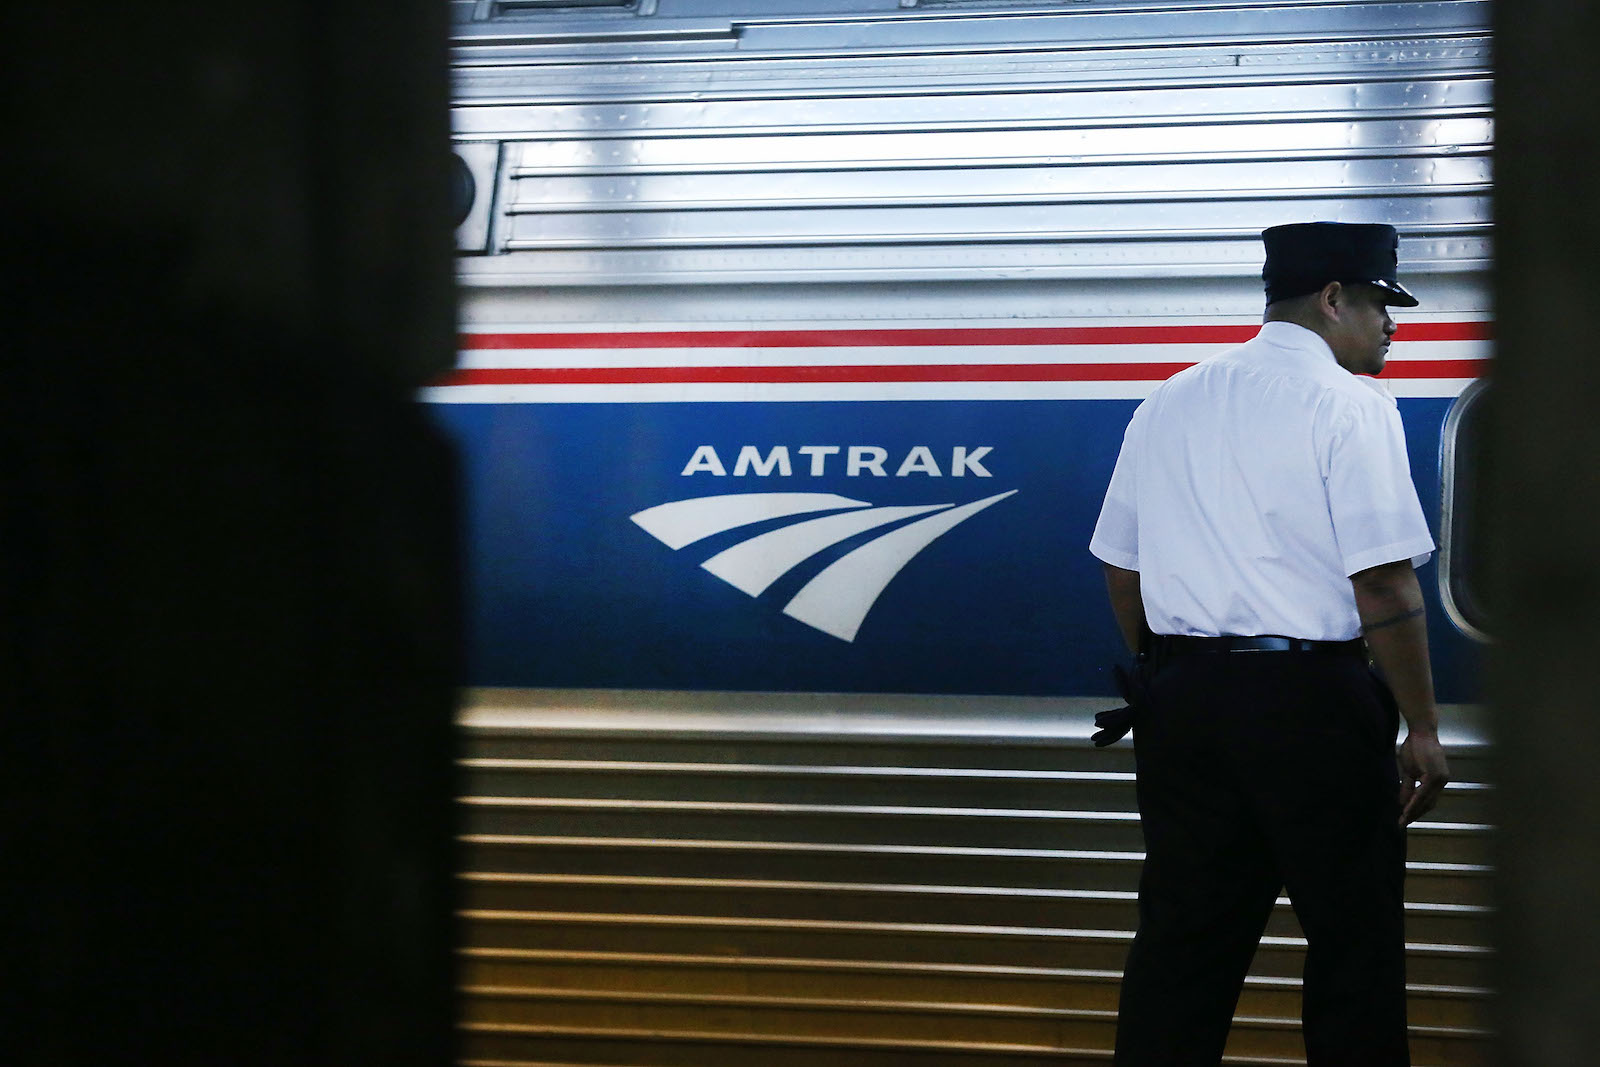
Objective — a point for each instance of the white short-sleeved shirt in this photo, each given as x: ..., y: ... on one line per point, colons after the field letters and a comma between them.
x: 1253, y: 484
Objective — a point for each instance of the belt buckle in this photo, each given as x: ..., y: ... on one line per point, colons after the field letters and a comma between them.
x: 1267, y: 644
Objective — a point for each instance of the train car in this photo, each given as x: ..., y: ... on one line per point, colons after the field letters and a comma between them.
x: 797, y: 342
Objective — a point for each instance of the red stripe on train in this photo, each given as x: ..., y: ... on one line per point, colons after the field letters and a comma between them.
x: 955, y: 372
x: 1001, y: 335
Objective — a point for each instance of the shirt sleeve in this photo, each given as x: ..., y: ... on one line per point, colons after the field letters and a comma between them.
x: 1116, y: 534
x: 1377, y: 517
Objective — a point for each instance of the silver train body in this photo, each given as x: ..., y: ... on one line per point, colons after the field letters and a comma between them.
x: 797, y: 341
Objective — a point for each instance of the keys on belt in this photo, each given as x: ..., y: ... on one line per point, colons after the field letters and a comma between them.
x: 1115, y: 724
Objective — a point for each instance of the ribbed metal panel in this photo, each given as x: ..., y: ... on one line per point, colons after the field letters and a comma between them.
x: 893, y: 881
x: 1151, y: 140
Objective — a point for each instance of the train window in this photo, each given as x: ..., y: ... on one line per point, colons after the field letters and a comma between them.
x: 1461, y: 549
x: 475, y: 172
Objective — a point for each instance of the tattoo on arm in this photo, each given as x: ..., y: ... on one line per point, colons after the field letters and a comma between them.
x: 1367, y: 628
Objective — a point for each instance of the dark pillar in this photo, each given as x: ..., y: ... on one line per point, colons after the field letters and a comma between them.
x: 1543, y: 524
x: 229, y: 606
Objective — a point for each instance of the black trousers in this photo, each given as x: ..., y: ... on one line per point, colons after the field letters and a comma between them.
x: 1259, y: 771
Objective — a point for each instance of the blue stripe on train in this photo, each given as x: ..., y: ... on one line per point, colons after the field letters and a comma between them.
x: 566, y: 591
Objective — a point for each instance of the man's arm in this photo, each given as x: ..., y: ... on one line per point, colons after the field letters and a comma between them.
x: 1389, y: 601
x: 1126, y: 604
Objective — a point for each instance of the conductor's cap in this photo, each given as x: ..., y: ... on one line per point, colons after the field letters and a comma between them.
x: 1305, y: 256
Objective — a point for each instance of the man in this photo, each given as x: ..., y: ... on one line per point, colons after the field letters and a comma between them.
x: 1261, y: 521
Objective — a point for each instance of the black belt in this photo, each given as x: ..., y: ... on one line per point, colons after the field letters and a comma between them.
x: 1180, y: 645
x: 1114, y: 724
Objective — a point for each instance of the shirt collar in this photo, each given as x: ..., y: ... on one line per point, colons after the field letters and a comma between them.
x: 1298, y: 338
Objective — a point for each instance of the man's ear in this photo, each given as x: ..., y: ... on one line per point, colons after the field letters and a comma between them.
x: 1330, y: 300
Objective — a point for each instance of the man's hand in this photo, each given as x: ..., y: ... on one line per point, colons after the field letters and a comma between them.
x: 1423, y: 774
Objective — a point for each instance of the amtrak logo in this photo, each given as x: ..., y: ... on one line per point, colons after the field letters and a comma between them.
x: 838, y: 599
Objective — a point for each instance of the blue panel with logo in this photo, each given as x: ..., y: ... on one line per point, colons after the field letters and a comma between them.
x: 919, y: 547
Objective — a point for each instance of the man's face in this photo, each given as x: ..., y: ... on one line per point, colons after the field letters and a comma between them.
x: 1360, y: 336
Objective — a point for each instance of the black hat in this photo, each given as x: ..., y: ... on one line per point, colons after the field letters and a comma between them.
x: 1304, y: 256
